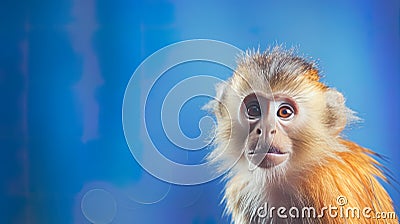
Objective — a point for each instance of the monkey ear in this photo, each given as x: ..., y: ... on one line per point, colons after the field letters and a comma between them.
x: 336, y: 116
x: 215, y: 106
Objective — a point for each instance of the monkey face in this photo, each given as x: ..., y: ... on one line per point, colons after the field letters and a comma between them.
x: 268, y: 119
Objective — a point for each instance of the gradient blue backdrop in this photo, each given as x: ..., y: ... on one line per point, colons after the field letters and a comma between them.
x: 64, y: 66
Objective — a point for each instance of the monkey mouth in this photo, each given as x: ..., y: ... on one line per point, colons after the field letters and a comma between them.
x: 267, y: 158
x: 274, y: 150
x: 271, y: 150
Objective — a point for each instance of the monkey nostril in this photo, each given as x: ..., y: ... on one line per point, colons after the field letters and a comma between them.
x: 258, y: 131
x: 273, y: 132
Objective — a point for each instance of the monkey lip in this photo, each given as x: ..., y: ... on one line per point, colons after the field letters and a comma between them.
x: 266, y: 159
x: 271, y: 150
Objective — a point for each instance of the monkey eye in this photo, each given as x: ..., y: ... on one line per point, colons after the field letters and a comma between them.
x: 285, y: 112
x: 253, y: 110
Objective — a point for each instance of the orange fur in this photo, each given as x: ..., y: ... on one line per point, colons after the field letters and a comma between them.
x: 354, y: 178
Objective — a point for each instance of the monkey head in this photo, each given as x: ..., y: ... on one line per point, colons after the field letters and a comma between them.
x: 276, y: 117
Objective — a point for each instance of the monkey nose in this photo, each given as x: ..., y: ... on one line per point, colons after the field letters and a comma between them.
x: 259, y: 131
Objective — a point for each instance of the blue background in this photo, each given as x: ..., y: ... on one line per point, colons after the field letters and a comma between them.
x: 64, y: 66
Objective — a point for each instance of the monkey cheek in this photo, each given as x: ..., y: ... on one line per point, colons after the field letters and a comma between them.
x: 267, y: 160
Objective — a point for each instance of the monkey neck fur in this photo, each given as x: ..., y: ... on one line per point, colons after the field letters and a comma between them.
x: 245, y: 193
x: 278, y: 186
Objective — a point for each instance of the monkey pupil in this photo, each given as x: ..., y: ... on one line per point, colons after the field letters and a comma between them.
x: 253, y: 111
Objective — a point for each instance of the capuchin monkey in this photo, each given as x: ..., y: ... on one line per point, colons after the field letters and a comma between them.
x: 279, y: 133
